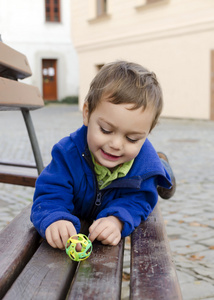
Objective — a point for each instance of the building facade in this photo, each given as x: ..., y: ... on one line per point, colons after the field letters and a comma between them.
x: 41, y: 29
x: 173, y: 38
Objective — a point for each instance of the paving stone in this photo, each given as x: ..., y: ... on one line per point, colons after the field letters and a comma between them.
x: 208, y: 242
x: 184, y: 278
x: 206, y: 272
x: 197, y: 290
x: 193, y: 248
x: 180, y: 243
x: 125, y: 290
x: 176, y: 234
x: 208, y: 256
x: 195, y: 236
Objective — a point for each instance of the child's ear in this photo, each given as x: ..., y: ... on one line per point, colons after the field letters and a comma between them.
x: 85, y: 114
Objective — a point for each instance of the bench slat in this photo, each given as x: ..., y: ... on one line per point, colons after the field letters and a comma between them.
x: 47, y: 276
x: 100, y: 276
x: 13, y: 63
x: 18, y: 179
x: 18, y: 242
x: 19, y: 175
x: 153, y: 274
x: 16, y: 95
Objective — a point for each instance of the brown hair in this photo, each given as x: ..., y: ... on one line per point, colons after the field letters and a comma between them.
x: 126, y: 82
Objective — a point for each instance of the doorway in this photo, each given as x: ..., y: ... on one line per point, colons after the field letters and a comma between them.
x: 49, y: 78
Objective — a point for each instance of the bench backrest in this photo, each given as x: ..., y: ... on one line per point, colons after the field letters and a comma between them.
x: 13, y: 94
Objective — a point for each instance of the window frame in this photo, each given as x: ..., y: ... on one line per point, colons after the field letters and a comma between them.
x: 52, y: 16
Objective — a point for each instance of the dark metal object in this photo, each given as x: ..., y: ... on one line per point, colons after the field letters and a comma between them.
x: 33, y: 140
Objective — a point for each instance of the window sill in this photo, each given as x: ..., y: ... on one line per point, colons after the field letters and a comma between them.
x: 101, y: 18
x: 53, y: 22
x: 148, y: 5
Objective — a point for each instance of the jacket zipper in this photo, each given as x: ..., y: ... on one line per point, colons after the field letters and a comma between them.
x: 98, y: 199
x: 96, y: 204
x: 98, y: 194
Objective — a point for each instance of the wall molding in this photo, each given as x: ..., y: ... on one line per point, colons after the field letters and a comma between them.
x: 144, y: 36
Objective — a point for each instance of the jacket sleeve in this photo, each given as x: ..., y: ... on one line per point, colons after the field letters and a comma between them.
x: 133, y: 207
x: 53, y: 198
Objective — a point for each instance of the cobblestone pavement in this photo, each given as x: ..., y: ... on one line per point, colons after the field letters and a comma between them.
x: 189, y: 215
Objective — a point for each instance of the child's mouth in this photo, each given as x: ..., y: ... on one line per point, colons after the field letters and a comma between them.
x: 109, y: 156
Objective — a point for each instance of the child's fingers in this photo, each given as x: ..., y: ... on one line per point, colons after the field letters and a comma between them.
x: 58, y: 233
x: 95, y: 229
x: 106, y: 231
x: 53, y: 238
x: 112, y: 239
x: 94, y: 225
x: 49, y: 238
x: 71, y: 229
x: 109, y: 236
x: 64, y: 235
x: 71, y: 232
x: 105, y: 236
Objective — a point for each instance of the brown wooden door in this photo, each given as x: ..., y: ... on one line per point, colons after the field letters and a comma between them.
x: 49, y: 75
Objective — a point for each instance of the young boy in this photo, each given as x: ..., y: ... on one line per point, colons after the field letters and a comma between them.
x: 107, y: 170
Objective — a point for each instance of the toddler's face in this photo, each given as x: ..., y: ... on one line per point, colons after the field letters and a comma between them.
x: 116, y: 133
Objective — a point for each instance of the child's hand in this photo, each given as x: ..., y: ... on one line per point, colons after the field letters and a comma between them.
x: 107, y: 230
x: 59, y: 232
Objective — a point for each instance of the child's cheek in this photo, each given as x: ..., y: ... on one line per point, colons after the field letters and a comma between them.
x: 133, y: 151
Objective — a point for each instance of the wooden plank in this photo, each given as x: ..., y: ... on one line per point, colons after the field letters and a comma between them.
x: 47, y: 276
x: 18, y: 242
x: 153, y: 274
x: 100, y: 276
x: 16, y: 95
x: 20, y: 175
x: 18, y: 179
x: 13, y: 64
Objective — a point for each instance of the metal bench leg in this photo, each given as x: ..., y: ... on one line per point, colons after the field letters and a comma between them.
x: 33, y: 140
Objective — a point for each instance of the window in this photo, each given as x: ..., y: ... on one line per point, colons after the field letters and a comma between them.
x: 52, y: 10
x: 98, y: 11
x: 101, y: 7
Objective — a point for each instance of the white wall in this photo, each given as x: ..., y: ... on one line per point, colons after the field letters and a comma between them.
x: 23, y: 27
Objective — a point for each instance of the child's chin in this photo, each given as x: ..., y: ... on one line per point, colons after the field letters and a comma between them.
x: 110, y: 165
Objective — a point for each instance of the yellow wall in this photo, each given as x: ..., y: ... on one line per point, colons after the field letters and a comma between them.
x: 173, y: 38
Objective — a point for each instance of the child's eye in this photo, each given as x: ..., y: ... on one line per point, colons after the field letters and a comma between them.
x: 131, y: 140
x: 105, y: 131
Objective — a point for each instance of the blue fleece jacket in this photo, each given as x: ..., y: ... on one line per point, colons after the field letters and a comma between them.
x: 67, y: 188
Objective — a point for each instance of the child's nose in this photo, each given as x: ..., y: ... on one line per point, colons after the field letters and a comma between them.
x: 116, y: 142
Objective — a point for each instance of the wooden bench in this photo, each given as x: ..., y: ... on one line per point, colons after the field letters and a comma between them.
x: 31, y: 269
x: 15, y: 95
